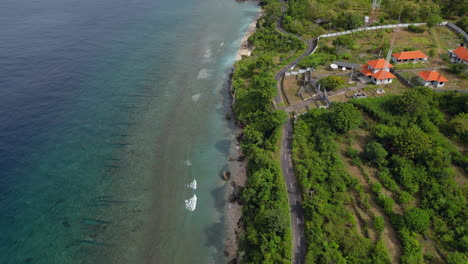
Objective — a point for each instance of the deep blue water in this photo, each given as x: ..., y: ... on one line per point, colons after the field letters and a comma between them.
x: 102, y: 103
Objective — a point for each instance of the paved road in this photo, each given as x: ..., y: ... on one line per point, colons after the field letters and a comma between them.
x: 311, y: 44
x: 294, y: 195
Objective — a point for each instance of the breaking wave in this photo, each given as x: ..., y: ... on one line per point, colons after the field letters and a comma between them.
x: 191, y: 204
x: 204, y: 74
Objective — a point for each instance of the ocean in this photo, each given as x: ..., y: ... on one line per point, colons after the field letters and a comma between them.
x: 109, y: 109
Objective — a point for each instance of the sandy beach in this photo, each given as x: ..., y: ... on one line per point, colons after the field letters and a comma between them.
x: 245, y: 48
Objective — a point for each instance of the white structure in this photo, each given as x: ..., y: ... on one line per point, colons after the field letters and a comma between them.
x: 377, y: 71
x: 432, y: 78
x: 459, y: 55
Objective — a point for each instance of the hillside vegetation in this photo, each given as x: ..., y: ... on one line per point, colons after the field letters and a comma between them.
x: 408, y: 167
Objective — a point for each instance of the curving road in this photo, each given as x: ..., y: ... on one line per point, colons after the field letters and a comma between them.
x: 294, y: 194
x: 311, y: 44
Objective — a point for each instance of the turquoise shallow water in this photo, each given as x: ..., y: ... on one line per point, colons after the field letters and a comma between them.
x: 102, y: 103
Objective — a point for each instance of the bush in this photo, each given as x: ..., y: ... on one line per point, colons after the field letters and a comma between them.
x: 463, y: 23
x: 386, y: 202
x: 417, y: 220
x: 457, y: 68
x: 405, y: 197
x: 416, y: 29
x: 459, y: 127
x: 345, y: 40
x: 376, y: 187
x: 331, y: 82
x: 379, y: 224
x: 349, y: 20
x: 412, y: 142
x: 352, y: 153
x: 375, y: 153
x: 457, y: 258
x: 316, y: 59
x: 380, y: 254
x: 344, y: 117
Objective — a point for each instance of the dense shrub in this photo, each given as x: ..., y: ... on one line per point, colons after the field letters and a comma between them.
x: 345, y: 40
x: 417, y: 220
x: 379, y: 224
x: 375, y: 153
x: 331, y: 82
x: 412, y: 142
x: 416, y: 29
x: 349, y: 20
x: 345, y: 117
x: 317, y: 59
x: 459, y: 127
x: 459, y: 69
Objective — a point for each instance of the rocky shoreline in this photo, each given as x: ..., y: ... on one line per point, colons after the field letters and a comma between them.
x: 236, y: 176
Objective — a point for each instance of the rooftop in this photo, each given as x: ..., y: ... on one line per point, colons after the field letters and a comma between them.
x: 432, y: 76
x: 461, y: 53
x: 379, y: 64
x: 382, y: 74
x: 408, y: 55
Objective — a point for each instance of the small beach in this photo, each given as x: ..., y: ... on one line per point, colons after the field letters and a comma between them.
x: 245, y: 48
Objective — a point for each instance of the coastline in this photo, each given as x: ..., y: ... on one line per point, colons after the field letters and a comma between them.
x: 245, y: 48
x: 237, y: 164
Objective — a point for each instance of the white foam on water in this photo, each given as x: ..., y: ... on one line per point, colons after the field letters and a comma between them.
x: 188, y: 163
x: 196, y: 97
x: 191, y: 204
x: 192, y: 185
x: 204, y: 74
x: 207, y: 56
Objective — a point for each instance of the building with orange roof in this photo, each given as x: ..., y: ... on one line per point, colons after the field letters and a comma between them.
x: 377, y: 71
x: 432, y: 78
x: 409, y: 56
x: 459, y: 55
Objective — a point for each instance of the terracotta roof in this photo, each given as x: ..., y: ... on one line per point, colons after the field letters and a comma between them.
x: 461, y: 53
x: 432, y: 76
x: 380, y: 75
x: 379, y: 64
x: 366, y: 72
x: 408, y: 55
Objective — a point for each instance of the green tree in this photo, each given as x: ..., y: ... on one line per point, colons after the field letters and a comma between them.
x: 457, y: 258
x: 331, y: 82
x: 413, y: 102
x: 345, y: 40
x: 458, y: 68
x: 348, y: 20
x: 375, y: 152
x: 344, y: 117
x: 405, y: 197
x: 459, y: 127
x: 417, y: 219
x: 463, y: 23
x: 412, y: 142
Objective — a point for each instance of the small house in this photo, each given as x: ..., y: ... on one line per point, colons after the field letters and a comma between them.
x: 378, y: 71
x: 432, y: 78
x: 459, y: 55
x: 409, y: 56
